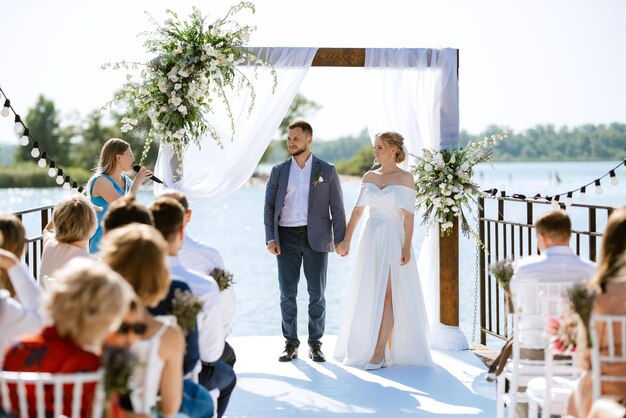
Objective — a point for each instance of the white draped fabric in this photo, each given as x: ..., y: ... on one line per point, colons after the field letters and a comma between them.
x: 415, y: 92
x: 211, y: 172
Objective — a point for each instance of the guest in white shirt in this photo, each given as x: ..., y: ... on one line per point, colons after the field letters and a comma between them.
x: 204, y: 258
x: 20, y: 297
x: 67, y: 235
x: 169, y: 217
x: 22, y: 314
x: 557, y: 263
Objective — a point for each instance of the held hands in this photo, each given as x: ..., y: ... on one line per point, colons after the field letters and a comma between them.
x: 406, y: 256
x: 343, y: 248
x: 7, y: 259
x: 273, y: 248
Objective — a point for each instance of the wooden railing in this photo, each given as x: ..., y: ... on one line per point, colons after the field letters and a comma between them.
x: 37, y: 218
x: 505, y: 226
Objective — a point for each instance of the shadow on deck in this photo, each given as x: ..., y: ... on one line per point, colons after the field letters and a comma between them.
x: 454, y: 387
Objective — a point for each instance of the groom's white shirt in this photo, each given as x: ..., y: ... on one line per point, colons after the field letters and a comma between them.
x: 296, y: 209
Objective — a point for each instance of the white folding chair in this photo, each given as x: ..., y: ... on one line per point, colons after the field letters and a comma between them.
x: 529, y: 321
x: 552, y: 390
x: 47, y: 384
x: 608, y: 345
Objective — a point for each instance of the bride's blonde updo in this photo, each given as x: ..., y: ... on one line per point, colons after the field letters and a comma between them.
x: 396, y: 140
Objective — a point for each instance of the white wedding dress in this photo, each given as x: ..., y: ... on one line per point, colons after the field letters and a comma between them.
x: 378, y: 256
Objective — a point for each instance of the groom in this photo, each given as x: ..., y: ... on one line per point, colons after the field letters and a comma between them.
x: 304, y: 219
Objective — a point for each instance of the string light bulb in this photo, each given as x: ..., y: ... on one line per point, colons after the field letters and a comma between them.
x: 19, y: 126
x: 582, y: 193
x: 74, y: 185
x: 35, y: 151
x: 598, y: 186
x: 67, y: 185
x: 42, y: 160
x: 25, y: 139
x: 52, y: 171
x: 568, y: 199
x: 555, y: 202
x: 5, y: 109
x: 60, y: 179
x: 614, y: 181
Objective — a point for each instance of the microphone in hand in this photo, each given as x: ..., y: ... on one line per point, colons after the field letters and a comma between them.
x: 137, y: 167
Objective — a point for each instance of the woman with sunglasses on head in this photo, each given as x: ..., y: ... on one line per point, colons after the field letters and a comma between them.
x: 160, y: 347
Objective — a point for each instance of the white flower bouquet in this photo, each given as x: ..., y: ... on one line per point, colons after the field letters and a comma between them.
x: 195, y: 63
x: 444, y: 184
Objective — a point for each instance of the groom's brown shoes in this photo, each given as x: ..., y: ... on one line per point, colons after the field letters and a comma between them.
x: 290, y: 353
x: 315, y: 353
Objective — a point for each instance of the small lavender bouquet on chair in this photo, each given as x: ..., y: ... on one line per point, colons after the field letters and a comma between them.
x: 581, y: 300
x: 185, y: 308
x: 223, y: 278
x: 503, y: 270
x: 119, y: 364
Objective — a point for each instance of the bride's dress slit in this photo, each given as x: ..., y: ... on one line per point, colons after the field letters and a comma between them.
x: 385, y: 333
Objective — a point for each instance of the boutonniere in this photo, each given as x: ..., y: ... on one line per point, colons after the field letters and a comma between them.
x: 318, y: 178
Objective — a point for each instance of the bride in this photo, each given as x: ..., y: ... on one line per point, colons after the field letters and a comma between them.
x: 385, y: 319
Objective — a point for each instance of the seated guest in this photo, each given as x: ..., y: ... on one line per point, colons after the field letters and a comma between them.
x: 138, y: 253
x: 67, y: 235
x: 124, y: 211
x: 610, y: 282
x: 19, y: 310
x: 86, y: 302
x: 168, y: 219
x: 556, y: 264
x: 203, y: 258
x: 127, y: 210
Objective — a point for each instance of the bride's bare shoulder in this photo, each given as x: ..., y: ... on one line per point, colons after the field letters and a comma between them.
x: 406, y: 179
x: 368, y: 177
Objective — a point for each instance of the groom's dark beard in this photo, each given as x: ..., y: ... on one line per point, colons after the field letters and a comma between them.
x: 297, y: 152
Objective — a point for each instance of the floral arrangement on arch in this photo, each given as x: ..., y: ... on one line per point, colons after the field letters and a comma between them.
x: 444, y: 184
x: 194, y: 64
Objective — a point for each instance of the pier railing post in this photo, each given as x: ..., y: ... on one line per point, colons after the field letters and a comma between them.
x: 449, y: 276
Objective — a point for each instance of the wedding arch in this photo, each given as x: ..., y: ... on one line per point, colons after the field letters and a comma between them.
x: 410, y: 90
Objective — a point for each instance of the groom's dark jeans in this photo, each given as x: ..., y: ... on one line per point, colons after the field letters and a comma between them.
x: 295, y: 252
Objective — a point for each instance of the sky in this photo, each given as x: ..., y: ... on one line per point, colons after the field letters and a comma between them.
x: 522, y: 62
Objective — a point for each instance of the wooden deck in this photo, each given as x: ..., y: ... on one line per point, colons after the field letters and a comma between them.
x: 454, y: 387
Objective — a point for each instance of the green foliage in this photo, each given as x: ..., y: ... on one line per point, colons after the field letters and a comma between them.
x: 359, y: 164
x: 43, y: 122
x: 546, y: 143
x: 27, y: 174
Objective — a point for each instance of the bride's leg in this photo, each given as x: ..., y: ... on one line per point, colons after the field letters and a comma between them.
x: 386, y: 326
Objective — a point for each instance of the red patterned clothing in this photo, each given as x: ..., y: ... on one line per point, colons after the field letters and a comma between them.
x: 48, y: 352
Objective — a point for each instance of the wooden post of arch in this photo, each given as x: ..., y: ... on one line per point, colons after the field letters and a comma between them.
x: 448, y: 244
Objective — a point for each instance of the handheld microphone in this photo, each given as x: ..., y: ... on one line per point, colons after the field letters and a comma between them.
x: 137, y: 167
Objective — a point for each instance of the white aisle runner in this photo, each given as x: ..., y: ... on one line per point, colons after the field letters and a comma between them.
x: 302, y: 388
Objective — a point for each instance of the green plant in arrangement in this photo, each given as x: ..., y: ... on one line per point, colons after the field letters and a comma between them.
x: 193, y: 67
x: 185, y: 308
x: 444, y: 183
x: 503, y: 271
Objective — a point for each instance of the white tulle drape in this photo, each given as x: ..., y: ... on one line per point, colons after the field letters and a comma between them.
x: 211, y: 172
x: 415, y: 92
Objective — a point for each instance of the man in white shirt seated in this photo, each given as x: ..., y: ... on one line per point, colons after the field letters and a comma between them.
x: 203, y: 258
x: 169, y: 219
x: 557, y: 263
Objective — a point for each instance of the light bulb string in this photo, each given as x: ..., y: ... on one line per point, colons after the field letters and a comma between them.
x: 42, y: 152
x: 494, y: 191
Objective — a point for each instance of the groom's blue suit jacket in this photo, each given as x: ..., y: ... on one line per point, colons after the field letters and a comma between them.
x: 326, y: 222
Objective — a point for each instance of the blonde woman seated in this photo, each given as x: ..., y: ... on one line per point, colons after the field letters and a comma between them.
x: 86, y: 302
x: 610, y: 281
x: 20, y: 297
x: 138, y: 252
x: 67, y: 235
